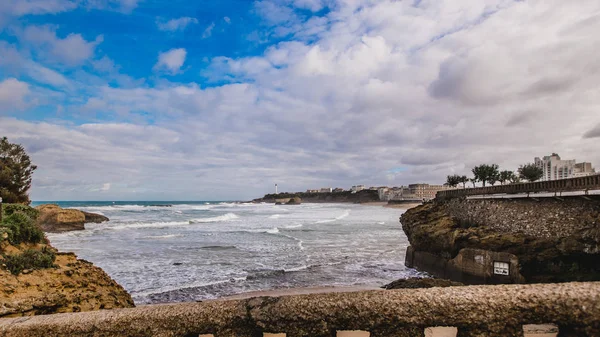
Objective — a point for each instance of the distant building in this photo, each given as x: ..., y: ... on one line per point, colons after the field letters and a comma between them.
x: 555, y: 168
x: 583, y: 169
x: 426, y: 191
x: 326, y: 190
x: 312, y: 191
x: 384, y: 193
x: 338, y: 190
x: 357, y: 188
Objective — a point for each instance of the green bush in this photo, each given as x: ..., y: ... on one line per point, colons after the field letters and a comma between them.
x: 5, y: 234
x: 9, y: 209
x: 29, y: 259
x: 22, y: 228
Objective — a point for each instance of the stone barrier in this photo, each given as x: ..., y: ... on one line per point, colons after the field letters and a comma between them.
x: 502, y: 310
x: 563, y: 185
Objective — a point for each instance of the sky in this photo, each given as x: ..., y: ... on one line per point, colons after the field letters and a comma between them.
x: 221, y: 100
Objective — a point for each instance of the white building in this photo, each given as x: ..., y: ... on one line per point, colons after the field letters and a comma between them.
x: 555, y: 168
x: 357, y: 188
x: 326, y: 190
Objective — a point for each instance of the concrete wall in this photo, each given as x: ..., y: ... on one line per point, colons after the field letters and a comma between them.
x: 501, y: 310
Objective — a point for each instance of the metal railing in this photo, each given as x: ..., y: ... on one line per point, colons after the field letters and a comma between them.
x: 500, y: 310
x: 563, y: 185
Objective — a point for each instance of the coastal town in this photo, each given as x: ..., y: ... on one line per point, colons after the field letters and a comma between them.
x: 547, y: 168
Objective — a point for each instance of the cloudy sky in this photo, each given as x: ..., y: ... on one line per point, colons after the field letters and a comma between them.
x: 220, y: 100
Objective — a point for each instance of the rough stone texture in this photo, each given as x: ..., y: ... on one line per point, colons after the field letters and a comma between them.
x: 540, y: 218
x: 54, y: 219
x: 416, y: 283
x: 294, y: 201
x: 73, y: 286
x: 474, y: 310
x: 543, y: 254
x: 94, y: 218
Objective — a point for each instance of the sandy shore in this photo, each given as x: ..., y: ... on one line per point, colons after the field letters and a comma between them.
x: 299, y: 291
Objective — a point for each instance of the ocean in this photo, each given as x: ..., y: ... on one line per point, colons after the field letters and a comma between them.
x: 194, y: 251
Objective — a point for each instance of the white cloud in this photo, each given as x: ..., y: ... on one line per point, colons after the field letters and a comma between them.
x: 227, y: 19
x: 24, y: 7
x: 208, y: 31
x: 176, y: 24
x: 13, y: 93
x: 171, y: 60
x: 72, y: 50
x: 432, y: 88
x: 105, y: 187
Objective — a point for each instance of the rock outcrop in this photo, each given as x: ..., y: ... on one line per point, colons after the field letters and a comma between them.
x: 506, y: 241
x: 71, y: 286
x: 418, y: 283
x: 94, y: 218
x: 295, y: 201
x: 54, y: 219
x: 345, y: 196
x: 35, y: 279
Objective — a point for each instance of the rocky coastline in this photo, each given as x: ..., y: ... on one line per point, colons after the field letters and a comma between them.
x: 506, y: 241
x: 36, y: 279
x: 363, y: 196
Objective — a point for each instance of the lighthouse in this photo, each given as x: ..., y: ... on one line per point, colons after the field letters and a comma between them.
x: 276, y: 189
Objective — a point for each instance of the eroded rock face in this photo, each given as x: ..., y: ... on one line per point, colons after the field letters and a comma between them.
x: 94, y: 218
x: 72, y: 286
x: 439, y: 232
x: 417, y: 283
x: 54, y: 219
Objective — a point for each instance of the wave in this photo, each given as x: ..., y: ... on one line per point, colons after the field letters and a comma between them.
x: 194, y: 285
x: 273, y: 230
x: 168, y: 236
x: 216, y: 247
x: 225, y: 217
x: 149, y: 225
x: 340, y: 217
x: 275, y: 216
x: 293, y: 226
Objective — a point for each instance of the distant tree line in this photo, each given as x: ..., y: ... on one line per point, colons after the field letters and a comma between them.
x: 491, y: 174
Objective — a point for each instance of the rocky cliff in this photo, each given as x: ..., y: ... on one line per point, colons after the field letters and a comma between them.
x: 529, y: 240
x: 36, y: 279
x: 54, y: 219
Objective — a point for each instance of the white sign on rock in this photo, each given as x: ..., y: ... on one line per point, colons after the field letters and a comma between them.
x: 501, y: 268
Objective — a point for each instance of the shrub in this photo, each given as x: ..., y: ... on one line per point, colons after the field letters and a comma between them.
x: 22, y: 229
x: 5, y: 234
x: 9, y: 209
x: 29, y: 259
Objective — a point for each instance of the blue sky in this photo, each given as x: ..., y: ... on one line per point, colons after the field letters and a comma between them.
x: 214, y: 100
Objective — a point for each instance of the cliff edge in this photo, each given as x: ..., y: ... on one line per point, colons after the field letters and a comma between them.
x: 506, y: 241
x: 36, y: 279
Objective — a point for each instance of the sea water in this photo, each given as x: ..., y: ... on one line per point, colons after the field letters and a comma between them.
x: 203, y: 250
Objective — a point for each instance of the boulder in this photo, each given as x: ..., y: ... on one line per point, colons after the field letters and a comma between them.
x: 294, y: 201
x: 94, y: 218
x: 54, y: 219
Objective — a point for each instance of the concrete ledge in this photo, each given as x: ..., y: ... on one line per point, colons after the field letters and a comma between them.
x: 474, y: 310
